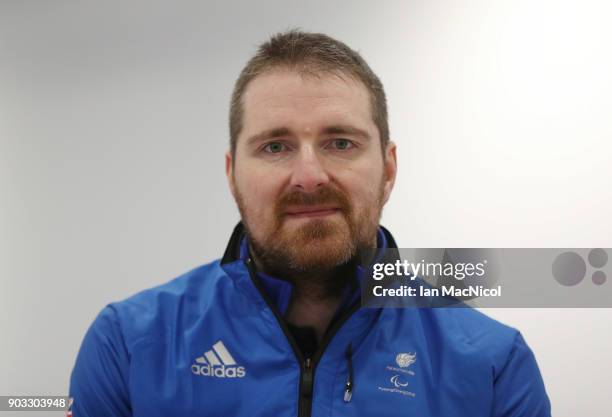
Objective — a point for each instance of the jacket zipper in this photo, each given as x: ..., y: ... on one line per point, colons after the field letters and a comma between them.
x: 348, y: 387
x: 326, y: 341
x: 307, y: 365
x: 306, y: 384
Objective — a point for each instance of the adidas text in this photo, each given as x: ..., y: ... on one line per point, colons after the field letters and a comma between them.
x: 220, y: 371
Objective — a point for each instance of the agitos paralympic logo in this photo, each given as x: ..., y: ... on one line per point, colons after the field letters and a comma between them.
x: 217, y: 362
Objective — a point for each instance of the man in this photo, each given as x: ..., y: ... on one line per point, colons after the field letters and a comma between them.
x: 275, y: 327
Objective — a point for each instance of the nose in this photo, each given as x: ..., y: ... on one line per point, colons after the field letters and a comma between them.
x: 308, y: 173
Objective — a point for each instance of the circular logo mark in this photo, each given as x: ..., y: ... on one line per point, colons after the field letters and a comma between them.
x: 598, y: 258
x: 569, y: 269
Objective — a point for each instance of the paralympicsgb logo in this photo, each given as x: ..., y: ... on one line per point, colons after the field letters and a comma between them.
x: 404, y: 360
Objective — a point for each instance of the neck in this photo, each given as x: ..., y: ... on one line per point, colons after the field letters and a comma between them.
x: 315, y: 297
x: 314, y: 302
x: 305, y: 312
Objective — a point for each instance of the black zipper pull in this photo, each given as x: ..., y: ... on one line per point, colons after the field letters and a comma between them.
x: 307, y: 379
x: 348, y: 388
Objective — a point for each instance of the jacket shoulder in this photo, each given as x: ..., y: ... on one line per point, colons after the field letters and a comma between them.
x: 144, y: 315
x: 472, y: 333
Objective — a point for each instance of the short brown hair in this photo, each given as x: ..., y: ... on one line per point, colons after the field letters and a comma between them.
x: 312, y: 54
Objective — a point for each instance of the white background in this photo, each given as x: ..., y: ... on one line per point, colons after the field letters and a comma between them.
x: 113, y: 126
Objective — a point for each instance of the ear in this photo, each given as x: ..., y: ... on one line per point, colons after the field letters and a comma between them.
x: 390, y: 169
x: 229, y: 172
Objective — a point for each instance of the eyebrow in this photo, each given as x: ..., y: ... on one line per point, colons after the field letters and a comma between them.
x: 330, y: 130
x: 268, y: 134
x: 346, y: 130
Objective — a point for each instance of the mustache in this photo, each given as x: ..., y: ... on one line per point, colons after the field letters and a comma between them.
x: 323, y: 196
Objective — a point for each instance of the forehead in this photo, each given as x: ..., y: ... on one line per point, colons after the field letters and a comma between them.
x: 282, y: 98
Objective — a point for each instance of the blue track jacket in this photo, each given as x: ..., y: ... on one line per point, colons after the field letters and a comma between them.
x: 212, y: 342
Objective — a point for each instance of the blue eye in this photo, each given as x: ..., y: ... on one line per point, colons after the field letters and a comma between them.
x: 274, y: 147
x: 342, y: 144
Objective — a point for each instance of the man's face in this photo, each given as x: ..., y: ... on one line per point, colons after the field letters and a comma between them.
x: 309, y: 176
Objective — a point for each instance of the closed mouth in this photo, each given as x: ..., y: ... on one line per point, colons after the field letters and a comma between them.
x: 312, y: 211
